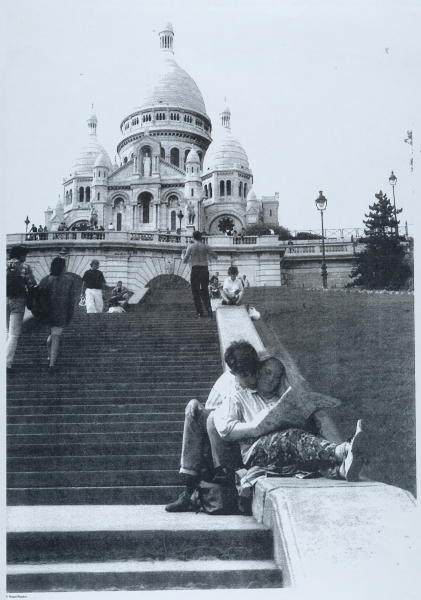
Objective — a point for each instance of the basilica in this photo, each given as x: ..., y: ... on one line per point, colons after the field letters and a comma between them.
x: 168, y: 176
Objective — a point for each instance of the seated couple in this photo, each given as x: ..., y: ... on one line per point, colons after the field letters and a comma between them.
x: 255, y: 408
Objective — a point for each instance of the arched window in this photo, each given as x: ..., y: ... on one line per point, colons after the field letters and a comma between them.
x: 210, y: 190
x: 99, y: 196
x: 240, y: 189
x: 222, y: 188
x: 145, y: 200
x: 88, y: 194
x: 173, y: 220
x: 270, y: 213
x: 173, y: 199
x: 125, y: 159
x: 175, y: 157
x: 67, y: 197
x: 191, y: 192
x: 206, y: 191
x: 228, y: 188
x: 185, y: 157
x: 118, y: 221
x: 163, y: 153
x: 71, y: 196
x: 245, y: 190
x: 200, y: 154
x: 81, y: 194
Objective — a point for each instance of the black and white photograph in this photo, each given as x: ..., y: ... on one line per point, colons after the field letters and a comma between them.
x: 210, y: 227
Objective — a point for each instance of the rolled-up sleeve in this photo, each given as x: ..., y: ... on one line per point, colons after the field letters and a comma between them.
x: 226, y: 417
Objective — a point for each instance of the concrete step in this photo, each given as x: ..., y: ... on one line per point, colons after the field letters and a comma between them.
x: 139, y: 575
x: 119, y: 436
x: 85, y: 479
x: 78, y: 449
x: 34, y: 420
x: 51, y: 411
x: 40, y: 534
x: 128, y: 495
x: 94, y: 463
x: 111, y: 426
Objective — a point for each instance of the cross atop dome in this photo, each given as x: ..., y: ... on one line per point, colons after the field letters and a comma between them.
x: 166, y: 38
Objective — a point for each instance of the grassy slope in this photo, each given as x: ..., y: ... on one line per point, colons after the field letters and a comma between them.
x: 360, y: 349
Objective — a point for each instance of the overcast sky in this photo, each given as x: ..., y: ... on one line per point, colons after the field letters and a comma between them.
x: 321, y: 94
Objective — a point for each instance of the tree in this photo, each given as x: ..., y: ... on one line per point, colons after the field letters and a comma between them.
x: 265, y: 229
x: 382, y: 264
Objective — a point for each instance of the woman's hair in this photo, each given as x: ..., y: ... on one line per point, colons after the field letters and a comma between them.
x: 197, y: 236
x: 232, y: 271
x: 58, y: 265
x: 114, y: 302
x: 280, y: 353
x: 241, y: 358
x: 18, y: 252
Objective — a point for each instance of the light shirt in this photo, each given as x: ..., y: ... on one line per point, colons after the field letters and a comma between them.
x: 230, y: 286
x: 199, y: 254
x: 223, y: 392
x: 243, y: 407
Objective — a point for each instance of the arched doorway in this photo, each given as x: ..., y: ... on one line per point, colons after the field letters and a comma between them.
x: 144, y: 201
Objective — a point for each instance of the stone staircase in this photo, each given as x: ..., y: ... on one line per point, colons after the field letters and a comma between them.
x: 106, y: 429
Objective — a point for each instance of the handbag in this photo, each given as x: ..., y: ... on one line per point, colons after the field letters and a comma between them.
x: 215, y: 499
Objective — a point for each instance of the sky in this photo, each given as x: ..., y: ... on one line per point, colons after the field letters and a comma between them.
x: 321, y: 94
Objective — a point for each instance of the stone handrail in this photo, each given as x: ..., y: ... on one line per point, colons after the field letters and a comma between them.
x: 153, y: 238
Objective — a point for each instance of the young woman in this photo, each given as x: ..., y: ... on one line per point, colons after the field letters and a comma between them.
x: 55, y: 293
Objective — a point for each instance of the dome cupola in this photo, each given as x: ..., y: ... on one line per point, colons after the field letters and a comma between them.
x: 85, y: 162
x: 226, y: 152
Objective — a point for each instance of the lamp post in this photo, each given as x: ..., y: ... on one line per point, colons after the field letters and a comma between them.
x: 27, y: 221
x: 321, y: 203
x: 180, y: 216
x: 392, y: 180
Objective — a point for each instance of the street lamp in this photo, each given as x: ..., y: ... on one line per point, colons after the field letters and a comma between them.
x: 392, y: 180
x: 180, y: 216
x: 321, y: 203
x: 27, y: 221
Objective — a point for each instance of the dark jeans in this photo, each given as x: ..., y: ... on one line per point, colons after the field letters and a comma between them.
x: 199, y: 280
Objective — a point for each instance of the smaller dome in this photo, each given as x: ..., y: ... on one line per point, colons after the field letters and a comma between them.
x: 167, y: 27
x: 192, y: 157
x: 251, y: 196
x: 101, y: 161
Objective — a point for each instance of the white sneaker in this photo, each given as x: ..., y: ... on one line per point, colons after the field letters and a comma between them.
x: 357, y: 455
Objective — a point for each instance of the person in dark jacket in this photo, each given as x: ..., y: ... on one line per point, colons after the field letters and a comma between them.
x: 93, y: 288
x: 59, y: 287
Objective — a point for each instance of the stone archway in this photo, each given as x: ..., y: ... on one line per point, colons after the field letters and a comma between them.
x: 168, y: 282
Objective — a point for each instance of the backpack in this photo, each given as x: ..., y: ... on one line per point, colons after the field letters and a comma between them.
x: 15, y: 282
x: 42, y: 303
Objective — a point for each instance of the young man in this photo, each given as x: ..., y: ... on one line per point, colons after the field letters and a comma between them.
x: 19, y: 282
x: 199, y: 430
x: 93, y: 288
x: 198, y: 254
x: 233, y: 289
x: 120, y: 294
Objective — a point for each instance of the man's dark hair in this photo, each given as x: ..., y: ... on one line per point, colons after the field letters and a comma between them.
x: 18, y: 252
x: 58, y: 265
x: 232, y: 271
x: 197, y: 236
x: 241, y: 358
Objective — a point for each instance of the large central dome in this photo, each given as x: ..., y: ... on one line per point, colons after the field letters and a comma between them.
x: 171, y: 85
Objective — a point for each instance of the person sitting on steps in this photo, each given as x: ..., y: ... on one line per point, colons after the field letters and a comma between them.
x: 121, y: 294
x: 199, y: 430
x: 287, y: 446
x: 233, y: 288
